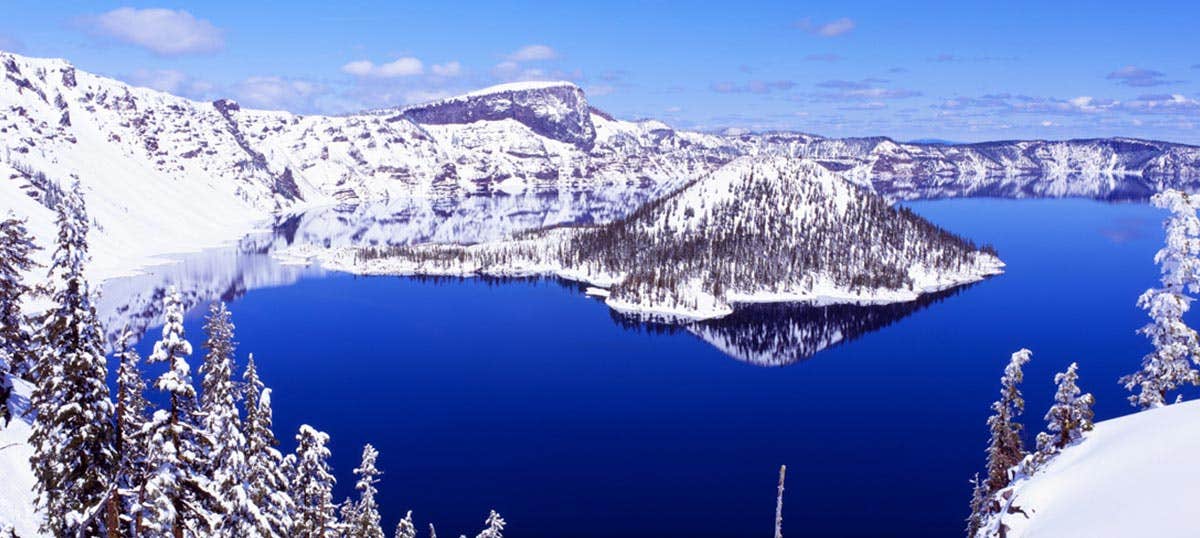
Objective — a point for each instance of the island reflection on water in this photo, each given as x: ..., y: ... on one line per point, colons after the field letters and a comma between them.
x: 760, y: 334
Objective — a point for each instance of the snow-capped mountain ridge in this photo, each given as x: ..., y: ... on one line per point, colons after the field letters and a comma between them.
x: 202, y: 173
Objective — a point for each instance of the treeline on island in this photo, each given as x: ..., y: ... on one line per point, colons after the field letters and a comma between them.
x: 768, y: 226
x: 109, y: 464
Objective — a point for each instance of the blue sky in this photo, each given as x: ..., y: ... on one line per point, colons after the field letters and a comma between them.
x: 963, y: 71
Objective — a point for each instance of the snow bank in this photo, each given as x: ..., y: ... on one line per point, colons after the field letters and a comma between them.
x: 16, y: 476
x: 1135, y: 475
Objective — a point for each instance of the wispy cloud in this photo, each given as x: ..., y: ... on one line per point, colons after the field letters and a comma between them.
x: 172, y: 81
x: 448, y: 69
x: 832, y: 28
x: 599, y: 90
x: 753, y: 86
x: 513, y: 67
x: 11, y: 44
x: 1164, y: 104
x: 162, y: 31
x: 1131, y: 75
x: 401, y: 67
x: 946, y: 57
x: 271, y: 92
x: 532, y: 53
x: 867, y: 89
x: 826, y: 57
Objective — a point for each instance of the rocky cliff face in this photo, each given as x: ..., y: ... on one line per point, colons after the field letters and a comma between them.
x: 555, y: 110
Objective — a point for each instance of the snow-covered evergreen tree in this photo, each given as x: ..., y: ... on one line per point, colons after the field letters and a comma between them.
x: 219, y: 412
x: 179, y: 497
x: 364, y: 522
x: 1005, y: 448
x: 312, y: 487
x: 130, y: 437
x: 1069, y: 417
x: 72, y: 437
x: 405, y: 528
x: 979, y: 509
x: 16, y: 342
x: 495, y: 526
x: 266, y: 478
x: 1176, y: 345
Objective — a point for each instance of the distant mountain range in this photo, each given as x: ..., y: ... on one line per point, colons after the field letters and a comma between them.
x: 195, y: 171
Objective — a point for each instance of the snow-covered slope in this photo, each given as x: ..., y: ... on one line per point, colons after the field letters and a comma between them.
x: 16, y: 477
x: 201, y: 174
x: 1132, y: 476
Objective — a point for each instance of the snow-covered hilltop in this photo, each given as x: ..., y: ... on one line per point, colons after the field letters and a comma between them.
x: 761, y: 229
x: 1131, y: 476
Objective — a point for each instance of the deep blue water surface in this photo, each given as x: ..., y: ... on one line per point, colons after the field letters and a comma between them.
x: 526, y: 397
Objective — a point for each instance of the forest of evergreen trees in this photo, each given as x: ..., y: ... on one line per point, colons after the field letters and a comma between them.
x: 778, y: 227
x: 206, y: 464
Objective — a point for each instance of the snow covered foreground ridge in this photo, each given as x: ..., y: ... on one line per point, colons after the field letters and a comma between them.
x: 1131, y: 476
x: 765, y: 229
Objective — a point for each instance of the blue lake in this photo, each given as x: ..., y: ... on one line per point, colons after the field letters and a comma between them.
x: 530, y: 398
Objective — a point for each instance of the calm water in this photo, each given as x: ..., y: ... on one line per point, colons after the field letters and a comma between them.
x: 530, y: 398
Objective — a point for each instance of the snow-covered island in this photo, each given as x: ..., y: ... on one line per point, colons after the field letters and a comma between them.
x: 760, y: 229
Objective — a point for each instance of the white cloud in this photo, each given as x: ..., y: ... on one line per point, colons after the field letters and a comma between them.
x: 599, y: 90
x: 509, y: 71
x: 832, y: 28
x: 162, y: 31
x: 448, y: 69
x: 278, y: 93
x: 171, y: 81
x: 360, y: 68
x: 533, y: 53
x: 424, y: 96
x: 1131, y: 75
x: 402, y: 67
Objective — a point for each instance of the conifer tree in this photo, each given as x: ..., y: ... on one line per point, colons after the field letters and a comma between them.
x: 312, y: 487
x: 1069, y: 417
x: 73, y: 432
x: 266, y: 477
x: 365, y: 517
x: 130, y: 435
x: 1176, y: 345
x: 406, y: 529
x: 16, y: 342
x: 495, y: 526
x: 219, y: 412
x: 979, y: 506
x: 1005, y: 448
x: 179, y: 497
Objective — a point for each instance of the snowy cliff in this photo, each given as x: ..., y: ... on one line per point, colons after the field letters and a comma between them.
x: 555, y: 110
